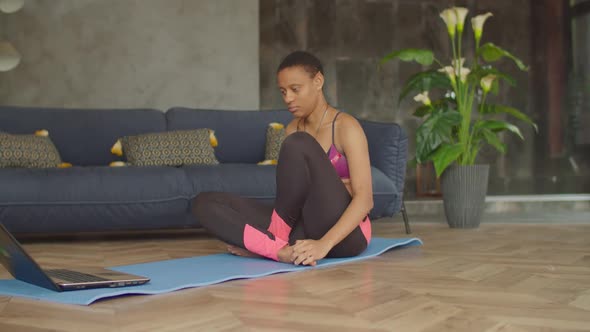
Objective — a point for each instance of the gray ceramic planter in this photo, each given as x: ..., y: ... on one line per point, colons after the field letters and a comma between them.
x: 464, y: 191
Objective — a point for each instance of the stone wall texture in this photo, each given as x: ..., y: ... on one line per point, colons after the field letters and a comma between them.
x: 351, y: 36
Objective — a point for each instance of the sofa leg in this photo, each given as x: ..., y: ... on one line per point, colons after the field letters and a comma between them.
x: 405, y: 216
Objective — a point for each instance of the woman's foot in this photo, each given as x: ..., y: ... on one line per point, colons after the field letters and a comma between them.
x: 285, y: 255
x: 240, y: 251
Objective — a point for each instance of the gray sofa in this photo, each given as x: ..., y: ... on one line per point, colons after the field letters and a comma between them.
x: 91, y: 196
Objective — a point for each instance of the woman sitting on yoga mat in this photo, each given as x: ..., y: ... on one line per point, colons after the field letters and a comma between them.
x: 324, y: 189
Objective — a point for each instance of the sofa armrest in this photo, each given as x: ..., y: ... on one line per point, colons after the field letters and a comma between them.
x: 388, y: 150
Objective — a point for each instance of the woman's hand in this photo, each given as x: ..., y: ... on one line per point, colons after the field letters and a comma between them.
x: 308, y: 252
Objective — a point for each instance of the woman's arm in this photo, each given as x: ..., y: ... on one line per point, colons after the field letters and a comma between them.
x: 354, y: 144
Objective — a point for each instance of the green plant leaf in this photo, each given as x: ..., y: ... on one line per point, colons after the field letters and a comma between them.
x: 493, y: 140
x: 496, y: 126
x: 434, y: 131
x: 496, y: 109
x: 421, y: 56
x: 421, y: 111
x: 444, y: 156
x: 491, y: 53
x: 425, y: 81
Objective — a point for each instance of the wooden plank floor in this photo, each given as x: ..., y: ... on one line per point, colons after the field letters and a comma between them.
x: 495, y: 278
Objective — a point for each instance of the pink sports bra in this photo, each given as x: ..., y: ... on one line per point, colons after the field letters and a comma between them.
x: 338, y: 159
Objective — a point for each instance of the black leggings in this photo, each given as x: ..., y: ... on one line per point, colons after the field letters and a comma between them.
x: 310, y: 199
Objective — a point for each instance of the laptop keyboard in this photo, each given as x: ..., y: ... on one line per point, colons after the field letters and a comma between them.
x: 73, y: 276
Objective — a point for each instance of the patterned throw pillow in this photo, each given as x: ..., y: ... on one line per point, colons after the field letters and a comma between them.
x: 28, y: 151
x: 172, y: 148
x: 275, y: 134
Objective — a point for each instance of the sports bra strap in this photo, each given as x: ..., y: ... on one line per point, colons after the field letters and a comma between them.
x: 334, y: 121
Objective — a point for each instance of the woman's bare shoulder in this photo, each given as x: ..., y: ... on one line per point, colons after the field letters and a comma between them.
x: 347, y: 122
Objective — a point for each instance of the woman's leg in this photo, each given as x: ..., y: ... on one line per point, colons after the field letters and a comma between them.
x: 311, y: 196
x: 238, y: 221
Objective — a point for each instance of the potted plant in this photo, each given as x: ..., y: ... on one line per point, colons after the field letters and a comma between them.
x: 461, y: 119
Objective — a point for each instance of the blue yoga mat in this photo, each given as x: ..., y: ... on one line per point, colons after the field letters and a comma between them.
x: 175, y: 274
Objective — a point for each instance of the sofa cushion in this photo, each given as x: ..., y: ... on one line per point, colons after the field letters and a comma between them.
x: 241, y: 134
x: 275, y: 135
x: 249, y: 180
x: 173, y: 148
x: 92, y: 185
x: 30, y: 151
x: 92, y: 198
x: 82, y: 136
x: 259, y: 182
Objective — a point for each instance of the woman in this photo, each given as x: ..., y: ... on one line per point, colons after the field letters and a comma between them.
x: 324, y: 189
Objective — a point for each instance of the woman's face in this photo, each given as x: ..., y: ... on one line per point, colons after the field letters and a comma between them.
x: 300, y: 90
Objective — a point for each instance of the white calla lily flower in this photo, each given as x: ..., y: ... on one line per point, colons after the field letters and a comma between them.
x: 486, y: 82
x: 450, y: 18
x: 450, y: 71
x: 423, y: 98
x: 464, y: 73
x: 461, y: 13
x: 459, y: 63
x: 477, y: 25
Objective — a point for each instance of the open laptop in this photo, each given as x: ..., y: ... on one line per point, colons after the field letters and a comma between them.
x: 16, y: 260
